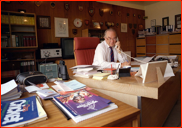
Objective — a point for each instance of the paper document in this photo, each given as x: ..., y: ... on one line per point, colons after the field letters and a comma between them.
x: 8, y: 86
x: 84, y: 66
x: 32, y: 88
x: 62, y: 86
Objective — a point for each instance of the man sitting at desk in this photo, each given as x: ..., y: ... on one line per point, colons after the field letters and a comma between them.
x: 106, y: 53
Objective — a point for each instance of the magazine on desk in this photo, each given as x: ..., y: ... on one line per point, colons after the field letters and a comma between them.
x: 21, y: 112
x: 82, y: 105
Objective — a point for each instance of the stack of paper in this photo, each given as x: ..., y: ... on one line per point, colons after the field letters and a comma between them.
x: 85, y: 71
x: 101, y: 76
x: 82, y: 105
x: 9, y: 91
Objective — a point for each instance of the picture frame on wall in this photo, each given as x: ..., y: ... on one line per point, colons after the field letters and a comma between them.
x: 123, y: 27
x: 43, y: 22
x: 61, y: 27
x: 165, y: 21
x: 178, y: 21
x: 153, y: 22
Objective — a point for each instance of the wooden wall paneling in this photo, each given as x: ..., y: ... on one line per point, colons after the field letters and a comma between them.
x: 29, y: 6
x: 48, y: 35
x: 57, y: 11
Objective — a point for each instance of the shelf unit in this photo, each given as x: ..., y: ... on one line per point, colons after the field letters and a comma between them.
x: 18, y: 30
x: 94, y: 33
x: 18, y: 43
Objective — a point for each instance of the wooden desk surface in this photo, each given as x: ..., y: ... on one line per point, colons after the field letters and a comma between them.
x: 128, y: 85
x: 124, y: 115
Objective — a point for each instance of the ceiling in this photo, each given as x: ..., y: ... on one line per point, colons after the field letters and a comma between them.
x: 143, y: 3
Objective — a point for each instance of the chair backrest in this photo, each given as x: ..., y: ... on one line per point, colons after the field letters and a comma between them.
x: 84, y: 49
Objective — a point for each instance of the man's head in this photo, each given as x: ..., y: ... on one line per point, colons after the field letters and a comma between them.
x: 110, y: 37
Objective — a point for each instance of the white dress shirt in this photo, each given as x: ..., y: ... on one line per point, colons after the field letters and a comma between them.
x: 102, y: 56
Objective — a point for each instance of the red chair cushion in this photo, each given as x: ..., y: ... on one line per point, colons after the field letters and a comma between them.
x: 84, y: 49
x: 86, y: 42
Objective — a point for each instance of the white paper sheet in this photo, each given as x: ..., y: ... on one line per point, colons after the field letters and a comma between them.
x: 8, y: 86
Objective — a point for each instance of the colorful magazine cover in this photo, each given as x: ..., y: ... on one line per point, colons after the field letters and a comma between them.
x: 17, y: 111
x: 82, y: 102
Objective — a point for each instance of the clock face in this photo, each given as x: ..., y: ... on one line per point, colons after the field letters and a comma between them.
x: 77, y: 22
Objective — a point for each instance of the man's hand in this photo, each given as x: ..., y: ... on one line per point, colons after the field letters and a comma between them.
x: 125, y: 64
x: 118, y: 47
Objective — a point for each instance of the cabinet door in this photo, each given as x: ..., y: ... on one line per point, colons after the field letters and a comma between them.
x: 174, y: 39
x: 162, y: 49
x: 175, y: 49
x: 162, y: 39
x: 140, y: 42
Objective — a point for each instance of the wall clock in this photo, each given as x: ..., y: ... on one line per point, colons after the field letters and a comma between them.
x: 77, y: 22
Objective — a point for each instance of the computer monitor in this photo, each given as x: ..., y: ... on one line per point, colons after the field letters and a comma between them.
x: 149, y: 71
x: 67, y: 48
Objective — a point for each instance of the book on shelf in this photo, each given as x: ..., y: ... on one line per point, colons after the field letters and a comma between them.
x: 27, y: 41
x: 82, y: 105
x: 24, y: 41
x: 34, y: 40
x: 25, y: 111
x: 13, y: 40
x: 16, y: 39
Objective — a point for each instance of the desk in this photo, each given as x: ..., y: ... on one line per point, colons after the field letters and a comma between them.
x: 155, y: 100
x: 124, y: 115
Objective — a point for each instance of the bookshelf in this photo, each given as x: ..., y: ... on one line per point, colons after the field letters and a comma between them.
x: 18, y: 31
x: 18, y: 43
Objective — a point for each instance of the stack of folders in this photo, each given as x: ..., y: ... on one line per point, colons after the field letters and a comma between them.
x: 85, y: 71
x: 82, y: 105
x: 10, y: 91
x: 22, y: 112
x: 100, y: 76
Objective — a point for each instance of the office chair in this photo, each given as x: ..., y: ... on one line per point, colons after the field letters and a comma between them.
x: 84, y: 49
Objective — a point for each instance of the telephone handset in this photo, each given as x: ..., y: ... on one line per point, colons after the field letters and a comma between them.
x: 117, y: 41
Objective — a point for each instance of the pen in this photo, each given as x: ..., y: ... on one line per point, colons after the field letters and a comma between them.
x: 64, y: 113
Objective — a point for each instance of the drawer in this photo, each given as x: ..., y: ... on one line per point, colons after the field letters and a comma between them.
x: 141, y: 49
x: 162, y: 39
x: 151, y: 40
x: 174, y: 38
x: 151, y: 49
x: 175, y: 49
x: 162, y: 49
x: 48, y: 68
x: 140, y: 42
x: 51, y: 74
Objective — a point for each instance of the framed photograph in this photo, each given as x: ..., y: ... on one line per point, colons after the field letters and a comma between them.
x: 165, y: 21
x: 178, y: 21
x: 43, y: 22
x: 61, y: 27
x: 123, y: 27
x: 153, y: 22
